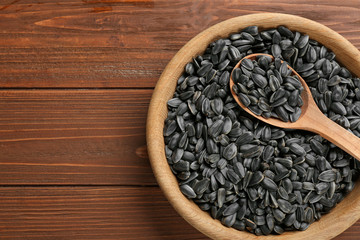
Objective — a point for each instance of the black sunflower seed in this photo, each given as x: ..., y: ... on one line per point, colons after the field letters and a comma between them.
x: 327, y: 176
x: 259, y: 80
x: 219, y: 45
x: 187, y: 191
x: 231, y: 209
x: 303, y: 40
x: 170, y: 128
x: 204, y: 69
x: 244, y: 99
x: 257, y: 177
x: 230, y: 151
x: 339, y: 108
x: 269, y: 184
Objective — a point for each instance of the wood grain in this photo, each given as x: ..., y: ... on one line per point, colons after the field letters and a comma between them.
x: 89, y: 213
x: 72, y: 137
x: 124, y: 43
x: 55, y: 143
x: 105, y: 213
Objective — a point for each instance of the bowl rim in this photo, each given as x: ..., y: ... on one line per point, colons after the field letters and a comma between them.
x: 342, y: 216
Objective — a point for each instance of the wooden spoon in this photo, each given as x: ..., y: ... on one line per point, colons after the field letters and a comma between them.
x: 311, y: 118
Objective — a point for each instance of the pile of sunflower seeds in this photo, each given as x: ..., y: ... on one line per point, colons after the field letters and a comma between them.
x: 268, y: 88
x: 249, y: 175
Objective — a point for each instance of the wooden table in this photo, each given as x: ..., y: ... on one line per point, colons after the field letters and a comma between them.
x: 76, y: 77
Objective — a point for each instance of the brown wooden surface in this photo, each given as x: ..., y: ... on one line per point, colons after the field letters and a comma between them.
x: 74, y: 137
x: 76, y: 77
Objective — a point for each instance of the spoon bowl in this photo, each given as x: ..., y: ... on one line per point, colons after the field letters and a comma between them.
x: 311, y: 118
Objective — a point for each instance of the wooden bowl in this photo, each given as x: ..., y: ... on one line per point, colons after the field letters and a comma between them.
x: 330, y: 225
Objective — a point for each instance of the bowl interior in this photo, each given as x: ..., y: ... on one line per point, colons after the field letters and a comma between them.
x: 340, y: 218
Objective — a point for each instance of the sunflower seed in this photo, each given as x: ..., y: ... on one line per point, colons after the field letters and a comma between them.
x: 337, y: 107
x: 284, y: 70
x: 204, y: 69
x: 331, y: 190
x: 239, y: 225
x: 335, y: 80
x: 170, y: 128
x: 201, y: 186
x: 187, y: 191
x: 276, y: 38
x: 229, y: 220
x: 181, y: 166
x: 259, y: 220
x: 308, y: 186
x: 278, y: 215
x: 309, y: 215
x: 283, y: 193
x: 177, y: 155
x: 216, y: 128
x: 285, y: 32
x: 247, y: 63
x: 314, y: 198
x: 284, y: 205
x: 239, y: 169
x: 327, y: 176
x: 250, y: 223
x: 288, y: 186
x: 317, y: 147
x: 276, y: 50
x: 290, y: 219
x: 269, y: 184
x: 244, y: 99
x: 231, y: 209
x: 303, y: 40
x: 230, y: 151
x: 219, y: 45
x: 279, y: 102
x: 259, y: 80
x: 297, y: 149
x: 221, y: 197
x: 274, y: 83
x: 282, y: 113
x: 305, y: 67
x: 256, y: 178
x: 233, y: 177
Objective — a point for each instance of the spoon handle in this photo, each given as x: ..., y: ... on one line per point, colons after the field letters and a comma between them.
x: 333, y: 132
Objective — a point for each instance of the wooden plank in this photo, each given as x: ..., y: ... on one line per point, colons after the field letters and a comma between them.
x: 117, y: 43
x: 95, y: 213
x: 89, y: 213
x: 86, y: 137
